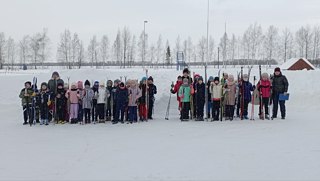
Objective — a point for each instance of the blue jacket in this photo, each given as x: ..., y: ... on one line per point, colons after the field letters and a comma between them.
x: 121, y: 96
x: 246, y: 91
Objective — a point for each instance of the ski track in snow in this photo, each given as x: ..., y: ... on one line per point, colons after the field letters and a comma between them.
x: 162, y: 149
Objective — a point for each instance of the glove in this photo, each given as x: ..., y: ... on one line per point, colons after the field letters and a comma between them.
x: 254, y: 87
x: 33, y: 94
x: 172, y: 91
x: 49, y: 103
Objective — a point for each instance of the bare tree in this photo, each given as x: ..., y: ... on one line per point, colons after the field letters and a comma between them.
x: 233, y: 46
x: 11, y: 51
x: 190, y: 49
x: 224, y: 47
x: 104, y: 48
x: 2, y: 49
x: 75, y: 45
x: 132, y: 51
x: 270, y: 43
x: 126, y: 37
x: 64, y: 48
x: 143, y: 49
x: 81, y: 54
x: 152, y: 54
x: 202, y: 48
x: 44, y: 46
x: 303, y: 39
x: 159, y: 49
x: 287, y: 39
x: 35, y: 48
x: 316, y: 42
x: 168, y: 53
x: 93, y: 51
x: 24, y: 49
x: 117, y: 46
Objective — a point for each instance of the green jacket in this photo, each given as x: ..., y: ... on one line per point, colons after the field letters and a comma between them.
x: 26, y: 99
x: 185, y: 93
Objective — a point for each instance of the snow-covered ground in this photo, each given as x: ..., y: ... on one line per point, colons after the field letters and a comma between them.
x: 162, y: 149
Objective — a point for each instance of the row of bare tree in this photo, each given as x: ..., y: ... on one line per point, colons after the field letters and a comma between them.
x: 254, y: 44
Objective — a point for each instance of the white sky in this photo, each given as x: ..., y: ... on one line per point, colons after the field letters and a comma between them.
x: 167, y: 17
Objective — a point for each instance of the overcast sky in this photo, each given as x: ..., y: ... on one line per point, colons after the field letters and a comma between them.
x: 167, y: 17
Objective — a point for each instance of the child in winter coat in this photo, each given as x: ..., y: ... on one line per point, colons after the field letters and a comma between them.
x: 73, y: 96
x: 245, y: 88
x: 230, y: 97
x: 185, y: 93
x: 102, y: 96
x: 87, y: 101
x: 264, y: 87
x: 200, y: 89
x: 134, y: 95
x: 175, y: 89
x: 152, y: 90
x: 142, y: 100
x: 95, y: 89
x: 109, y: 105
x: 61, y: 104
x: 113, y: 97
x: 81, y: 93
x: 26, y: 102
x: 216, y: 93
x: 45, y: 99
x: 209, y: 107
x: 121, y: 99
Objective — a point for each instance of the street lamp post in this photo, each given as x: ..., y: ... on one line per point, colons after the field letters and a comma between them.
x: 206, y: 64
x: 144, y: 42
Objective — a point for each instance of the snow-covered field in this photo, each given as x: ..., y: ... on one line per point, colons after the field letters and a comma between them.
x: 162, y: 149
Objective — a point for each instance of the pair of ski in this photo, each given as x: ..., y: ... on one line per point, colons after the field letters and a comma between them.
x: 33, y: 111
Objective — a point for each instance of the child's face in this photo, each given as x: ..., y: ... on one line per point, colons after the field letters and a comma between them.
x: 180, y: 79
x: 200, y: 81
x: 116, y: 84
x: 44, y: 87
x: 60, y: 87
x: 27, y: 86
x: 264, y: 78
x: 216, y: 82
x: 87, y: 86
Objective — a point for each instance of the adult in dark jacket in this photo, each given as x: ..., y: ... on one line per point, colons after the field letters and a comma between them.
x: 95, y: 89
x: 53, y: 86
x: 279, y: 86
x: 245, y: 88
x: 200, y: 89
x: 152, y: 90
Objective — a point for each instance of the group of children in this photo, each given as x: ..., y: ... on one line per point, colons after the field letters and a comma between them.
x: 117, y: 101
x: 227, y: 96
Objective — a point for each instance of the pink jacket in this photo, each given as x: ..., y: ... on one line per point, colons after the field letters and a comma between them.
x: 134, y: 94
x: 73, y: 95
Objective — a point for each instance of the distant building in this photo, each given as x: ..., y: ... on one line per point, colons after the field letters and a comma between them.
x: 297, y: 64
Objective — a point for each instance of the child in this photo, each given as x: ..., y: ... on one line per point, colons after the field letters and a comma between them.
x: 200, y: 89
x: 102, y: 96
x: 134, y: 95
x: 121, y: 102
x: 44, y: 103
x: 216, y: 92
x: 95, y: 89
x: 152, y: 90
x: 81, y: 93
x: 113, y: 97
x: 245, y: 88
x: 175, y: 89
x: 230, y: 97
x: 109, y: 101
x: 26, y: 100
x: 87, y: 101
x: 209, y: 96
x: 185, y: 93
x: 73, y: 95
x: 61, y: 104
x: 142, y: 100
x: 264, y: 87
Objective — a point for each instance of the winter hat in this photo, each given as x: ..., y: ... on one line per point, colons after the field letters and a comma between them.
x: 96, y: 84
x: 186, y: 70
x: 117, y: 81
x: 60, y: 84
x: 55, y: 74
x: 74, y: 85
x: 265, y: 75
x: 109, y: 83
x: 211, y: 78
x: 179, y: 77
x: 28, y: 82
x: 80, y: 84
x: 87, y: 83
x: 150, y: 78
x: 216, y: 79
x: 200, y: 78
x: 277, y: 69
x: 44, y: 84
x: 143, y: 79
x: 185, y: 81
x: 121, y: 84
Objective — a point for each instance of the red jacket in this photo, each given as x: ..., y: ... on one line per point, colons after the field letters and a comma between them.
x: 176, y: 88
x: 264, y: 88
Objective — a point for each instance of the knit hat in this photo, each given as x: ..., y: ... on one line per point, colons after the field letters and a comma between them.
x: 74, y: 85
x: 117, y: 81
x: 179, y: 77
x: 277, y: 69
x: 80, y: 84
x: 55, y: 74
x: 265, y: 75
x: 150, y: 78
x: 44, y: 84
x: 211, y: 78
x: 28, y: 82
x: 216, y: 79
x: 121, y: 84
x: 185, y: 81
x: 186, y: 70
x: 87, y: 83
x: 200, y: 78
x: 96, y: 83
x: 143, y: 79
x: 60, y: 84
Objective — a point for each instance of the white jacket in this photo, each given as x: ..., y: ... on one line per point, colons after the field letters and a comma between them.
x: 215, y: 91
x: 102, y: 95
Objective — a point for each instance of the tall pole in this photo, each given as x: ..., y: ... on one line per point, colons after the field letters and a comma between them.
x: 206, y: 64
x: 144, y: 42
